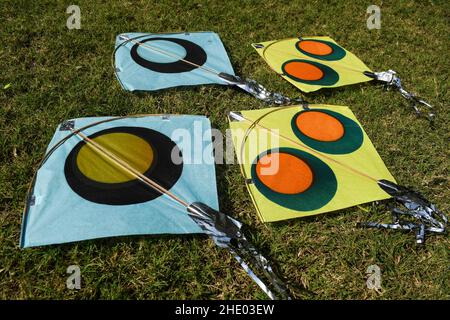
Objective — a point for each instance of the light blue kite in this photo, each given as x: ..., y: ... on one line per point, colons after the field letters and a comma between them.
x: 149, y: 62
x: 66, y: 205
x: 135, y: 175
x: 155, y: 61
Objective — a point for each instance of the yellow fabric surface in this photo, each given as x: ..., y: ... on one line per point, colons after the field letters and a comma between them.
x: 352, y: 188
x: 350, y: 69
x: 132, y: 149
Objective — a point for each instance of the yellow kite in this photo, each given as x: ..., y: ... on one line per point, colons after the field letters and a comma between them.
x: 304, y: 160
x: 312, y: 63
x: 299, y: 162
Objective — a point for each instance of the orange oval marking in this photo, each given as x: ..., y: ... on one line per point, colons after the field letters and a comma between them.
x: 320, y: 126
x: 314, y: 47
x: 284, y: 173
x: 303, y: 70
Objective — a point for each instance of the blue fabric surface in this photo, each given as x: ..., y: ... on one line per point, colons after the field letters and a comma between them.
x: 60, y: 215
x: 133, y: 76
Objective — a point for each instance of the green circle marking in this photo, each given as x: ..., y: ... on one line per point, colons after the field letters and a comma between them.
x: 329, y: 78
x: 321, y: 191
x: 336, y: 54
x: 351, y: 140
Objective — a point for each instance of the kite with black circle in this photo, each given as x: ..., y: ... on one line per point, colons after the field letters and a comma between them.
x: 149, y: 62
x: 135, y: 175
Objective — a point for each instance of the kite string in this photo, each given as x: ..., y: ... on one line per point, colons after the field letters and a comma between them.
x: 129, y: 169
x: 172, y: 55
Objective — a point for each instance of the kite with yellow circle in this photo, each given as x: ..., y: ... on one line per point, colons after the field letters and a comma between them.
x: 79, y: 193
x: 301, y: 161
x: 135, y: 175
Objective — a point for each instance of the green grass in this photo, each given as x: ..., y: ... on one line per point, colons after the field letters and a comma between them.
x: 56, y: 74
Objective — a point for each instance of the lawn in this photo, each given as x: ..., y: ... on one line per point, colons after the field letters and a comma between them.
x: 49, y: 74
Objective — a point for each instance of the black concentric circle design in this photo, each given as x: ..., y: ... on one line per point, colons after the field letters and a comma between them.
x: 194, y: 54
x: 162, y: 170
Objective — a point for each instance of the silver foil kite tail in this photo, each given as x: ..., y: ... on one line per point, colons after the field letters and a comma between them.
x: 226, y: 233
x: 423, y: 216
x: 391, y: 80
x: 258, y: 91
